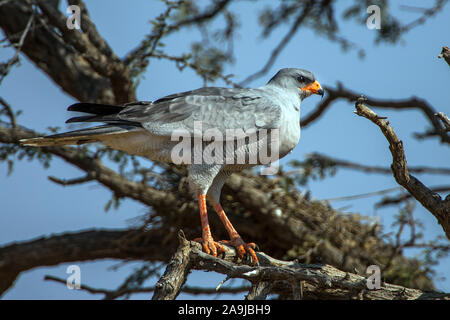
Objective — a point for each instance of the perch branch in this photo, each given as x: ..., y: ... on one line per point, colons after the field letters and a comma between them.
x: 331, y: 281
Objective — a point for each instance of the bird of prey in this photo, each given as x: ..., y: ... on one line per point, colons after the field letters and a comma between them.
x: 148, y: 129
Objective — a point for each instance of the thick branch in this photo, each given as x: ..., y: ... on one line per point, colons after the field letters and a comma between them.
x: 429, y: 199
x: 90, y: 74
x: 329, y: 281
x: 80, y: 246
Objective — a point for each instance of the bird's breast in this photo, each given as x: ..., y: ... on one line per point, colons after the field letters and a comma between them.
x: 289, y: 131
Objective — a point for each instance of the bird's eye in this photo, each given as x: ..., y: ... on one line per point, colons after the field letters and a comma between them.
x: 301, y: 79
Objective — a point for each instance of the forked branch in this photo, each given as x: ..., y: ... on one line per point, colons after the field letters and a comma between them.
x: 432, y: 201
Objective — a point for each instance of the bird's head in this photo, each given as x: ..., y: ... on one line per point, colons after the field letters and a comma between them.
x: 298, y: 80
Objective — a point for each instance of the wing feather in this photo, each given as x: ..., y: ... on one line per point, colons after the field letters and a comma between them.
x: 214, y: 108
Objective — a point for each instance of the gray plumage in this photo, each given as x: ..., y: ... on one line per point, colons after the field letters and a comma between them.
x: 146, y: 128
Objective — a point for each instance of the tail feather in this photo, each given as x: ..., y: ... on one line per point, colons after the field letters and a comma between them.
x: 95, y: 108
x: 98, y: 113
x: 78, y: 137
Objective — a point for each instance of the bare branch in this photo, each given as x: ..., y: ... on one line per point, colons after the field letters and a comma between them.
x: 84, y: 287
x: 327, y: 161
x: 169, y: 285
x: 331, y: 282
x: 427, y: 13
x: 445, y: 120
x: 275, y: 52
x: 9, y: 111
x: 6, y: 67
x: 114, y: 294
x: 412, y: 103
x: 183, y: 62
x: 429, y: 199
x: 205, y: 16
x: 364, y: 195
x: 259, y: 290
x: 445, y: 53
x: 147, y: 46
x: 405, y: 196
x: 71, y: 182
x: 320, y: 109
x: 80, y: 246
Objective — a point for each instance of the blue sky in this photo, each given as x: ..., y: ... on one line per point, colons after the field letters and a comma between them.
x: 33, y: 206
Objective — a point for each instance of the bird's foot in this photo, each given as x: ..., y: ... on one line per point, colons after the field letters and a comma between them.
x: 243, y: 248
x: 210, y: 246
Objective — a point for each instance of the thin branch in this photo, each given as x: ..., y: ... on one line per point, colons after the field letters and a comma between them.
x: 328, y: 161
x: 9, y: 112
x: 399, y: 244
x: 6, y: 67
x: 319, y: 110
x: 203, y: 17
x: 84, y: 287
x: 430, y: 200
x: 86, y: 245
x: 427, y: 13
x: 445, y: 53
x: 275, y: 52
x: 166, y: 29
x: 363, y: 195
x: 114, y: 294
x: 183, y: 61
x: 71, y: 182
x: 406, y: 196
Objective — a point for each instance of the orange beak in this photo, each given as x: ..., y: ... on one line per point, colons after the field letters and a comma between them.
x: 314, y: 88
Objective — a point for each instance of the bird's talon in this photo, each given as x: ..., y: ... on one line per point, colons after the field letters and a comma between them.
x: 244, y: 250
x: 210, y: 246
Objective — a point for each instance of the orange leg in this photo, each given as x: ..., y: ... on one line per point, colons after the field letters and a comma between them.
x: 209, y: 245
x: 235, y: 239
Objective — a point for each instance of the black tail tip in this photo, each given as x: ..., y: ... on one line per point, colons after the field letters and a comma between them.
x: 72, y: 106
